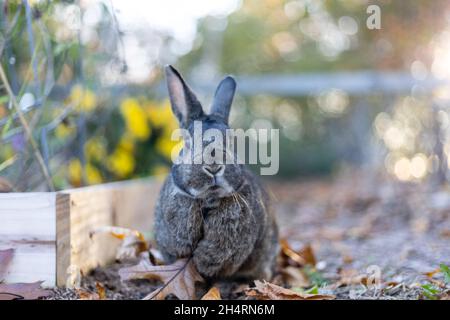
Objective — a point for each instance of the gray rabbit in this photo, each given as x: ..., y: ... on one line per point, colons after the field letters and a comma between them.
x: 217, y: 213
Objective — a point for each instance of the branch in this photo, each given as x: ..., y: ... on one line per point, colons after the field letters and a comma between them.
x: 27, y: 129
x: 31, y: 46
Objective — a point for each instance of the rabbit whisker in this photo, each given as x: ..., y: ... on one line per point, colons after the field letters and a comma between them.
x: 243, y: 200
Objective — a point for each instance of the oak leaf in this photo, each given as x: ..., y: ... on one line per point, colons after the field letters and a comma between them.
x: 179, y: 278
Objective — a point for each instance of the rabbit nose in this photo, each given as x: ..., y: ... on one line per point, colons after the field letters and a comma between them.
x: 214, y: 169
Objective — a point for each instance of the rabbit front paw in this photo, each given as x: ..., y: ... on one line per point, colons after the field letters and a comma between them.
x: 208, y: 260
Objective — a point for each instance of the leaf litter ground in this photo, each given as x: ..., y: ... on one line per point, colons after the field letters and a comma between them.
x: 357, y: 236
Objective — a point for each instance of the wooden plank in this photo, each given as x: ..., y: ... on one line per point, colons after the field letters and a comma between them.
x: 135, y: 204
x: 127, y: 204
x: 50, y: 231
x: 62, y: 216
x: 28, y: 225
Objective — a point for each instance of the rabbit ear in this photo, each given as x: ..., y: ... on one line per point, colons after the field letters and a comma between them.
x: 224, y: 97
x: 185, y: 104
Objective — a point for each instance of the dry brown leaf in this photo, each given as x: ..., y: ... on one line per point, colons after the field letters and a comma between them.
x: 308, y: 254
x: 290, y: 253
x: 268, y: 291
x: 5, y: 259
x: 179, y: 278
x: 351, y: 277
x: 23, y: 291
x: 84, y: 294
x: 301, y: 257
x: 133, y: 241
x: 100, y: 290
x: 212, y: 294
x: 432, y: 273
x: 295, y: 277
x: 99, y: 294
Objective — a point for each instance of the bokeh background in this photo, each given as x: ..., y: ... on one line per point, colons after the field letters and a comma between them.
x: 83, y: 99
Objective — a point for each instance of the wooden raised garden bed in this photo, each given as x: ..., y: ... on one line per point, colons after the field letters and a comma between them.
x: 50, y: 230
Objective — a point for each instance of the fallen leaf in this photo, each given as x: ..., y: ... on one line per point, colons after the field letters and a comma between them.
x: 430, y: 274
x: 23, y: 291
x: 347, y: 259
x: 179, y: 278
x: 351, y: 277
x: 295, y: 277
x: 133, y: 241
x: 84, y: 294
x: 156, y: 256
x: 302, y: 257
x: 118, y: 232
x: 268, y: 291
x: 99, y: 294
x: 212, y: 294
x: 100, y: 290
x: 5, y: 259
x: 391, y: 284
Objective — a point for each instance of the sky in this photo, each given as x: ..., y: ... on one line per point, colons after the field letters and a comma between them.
x: 176, y: 17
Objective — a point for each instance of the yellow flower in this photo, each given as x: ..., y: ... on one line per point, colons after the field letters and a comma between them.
x: 160, y: 115
x: 95, y: 149
x: 126, y: 143
x: 93, y: 175
x: 135, y: 119
x: 75, y: 172
x: 83, y: 99
x: 121, y: 162
x: 62, y: 131
x: 166, y: 146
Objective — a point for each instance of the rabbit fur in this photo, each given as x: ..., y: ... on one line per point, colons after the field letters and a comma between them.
x: 222, y: 218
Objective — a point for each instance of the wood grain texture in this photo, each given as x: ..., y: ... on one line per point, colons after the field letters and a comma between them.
x: 50, y: 231
x: 28, y: 225
x: 63, y: 243
x: 126, y: 204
